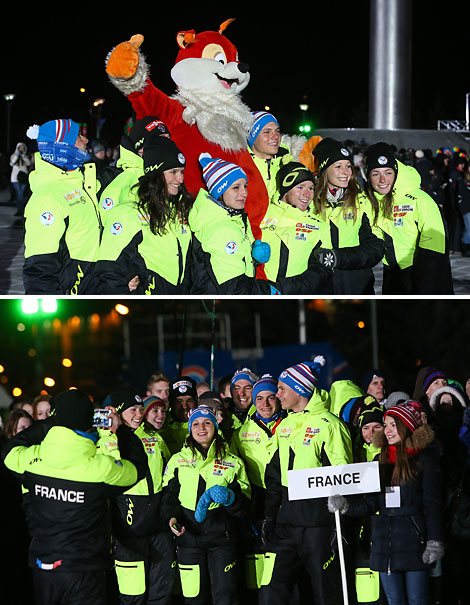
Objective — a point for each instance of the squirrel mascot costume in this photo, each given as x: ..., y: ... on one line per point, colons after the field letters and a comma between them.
x: 206, y: 114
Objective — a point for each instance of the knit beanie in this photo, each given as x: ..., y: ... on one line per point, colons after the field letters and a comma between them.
x: 380, y: 155
x: 395, y: 398
x: 183, y: 386
x: 202, y: 411
x: 371, y: 413
x: 290, y: 175
x: 73, y: 409
x: 152, y: 402
x: 431, y: 375
x: 219, y: 175
x: 124, y: 399
x: 260, y: 119
x: 55, y: 131
x: 56, y: 143
x: 328, y: 151
x: 303, y: 377
x: 244, y: 374
x: 161, y: 154
x: 265, y: 383
x: 407, y: 413
x: 145, y: 127
x: 368, y: 376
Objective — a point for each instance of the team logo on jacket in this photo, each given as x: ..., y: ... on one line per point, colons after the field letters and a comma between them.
x: 309, y: 434
x: 107, y: 203
x: 47, y: 218
x: 116, y: 228
x: 231, y: 248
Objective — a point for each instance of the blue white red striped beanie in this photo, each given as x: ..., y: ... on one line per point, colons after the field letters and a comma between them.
x: 55, y: 131
x: 261, y: 118
x: 303, y: 377
x: 219, y: 174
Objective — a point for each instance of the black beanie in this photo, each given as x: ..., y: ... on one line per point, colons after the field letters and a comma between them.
x: 328, y: 151
x: 183, y: 386
x: 371, y: 413
x: 74, y: 410
x: 290, y: 175
x: 161, y: 154
x: 124, y: 399
x: 380, y: 155
x: 143, y: 128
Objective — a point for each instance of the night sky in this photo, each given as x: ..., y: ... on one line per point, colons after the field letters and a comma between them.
x: 317, y: 52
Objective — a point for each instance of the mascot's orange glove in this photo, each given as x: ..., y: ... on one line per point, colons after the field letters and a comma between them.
x: 124, y: 58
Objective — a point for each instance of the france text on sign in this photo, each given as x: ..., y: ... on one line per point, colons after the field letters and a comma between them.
x: 347, y: 479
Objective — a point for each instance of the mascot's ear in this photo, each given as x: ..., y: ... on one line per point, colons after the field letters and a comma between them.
x: 185, y: 38
x: 224, y: 25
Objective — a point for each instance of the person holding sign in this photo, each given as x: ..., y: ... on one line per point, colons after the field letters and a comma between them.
x: 300, y: 533
x: 407, y: 536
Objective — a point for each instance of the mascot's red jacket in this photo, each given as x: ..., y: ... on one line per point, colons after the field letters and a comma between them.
x: 206, y: 114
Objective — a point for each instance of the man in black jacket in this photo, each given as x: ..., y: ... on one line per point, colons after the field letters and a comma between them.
x: 68, y: 485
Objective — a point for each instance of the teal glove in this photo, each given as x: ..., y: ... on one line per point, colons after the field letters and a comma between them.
x: 261, y: 251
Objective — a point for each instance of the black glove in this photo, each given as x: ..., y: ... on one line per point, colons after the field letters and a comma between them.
x: 130, y: 448
x: 267, y: 530
x: 326, y: 258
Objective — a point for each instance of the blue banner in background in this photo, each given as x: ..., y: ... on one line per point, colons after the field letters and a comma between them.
x: 267, y: 360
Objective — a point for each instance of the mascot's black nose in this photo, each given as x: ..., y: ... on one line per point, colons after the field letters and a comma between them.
x: 243, y: 68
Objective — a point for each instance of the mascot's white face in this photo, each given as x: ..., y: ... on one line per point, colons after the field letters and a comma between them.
x: 211, y: 73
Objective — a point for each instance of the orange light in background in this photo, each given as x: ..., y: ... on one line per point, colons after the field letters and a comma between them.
x: 32, y: 352
x: 66, y: 362
x: 361, y: 324
x: 121, y: 309
x: 49, y: 382
x: 2, y: 369
x: 16, y: 392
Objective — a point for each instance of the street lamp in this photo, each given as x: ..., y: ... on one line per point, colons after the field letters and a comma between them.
x: 8, y: 98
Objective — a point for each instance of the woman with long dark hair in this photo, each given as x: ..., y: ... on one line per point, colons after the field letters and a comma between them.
x: 336, y: 200
x: 407, y: 536
x: 146, y: 240
x: 205, y: 489
x: 416, y: 259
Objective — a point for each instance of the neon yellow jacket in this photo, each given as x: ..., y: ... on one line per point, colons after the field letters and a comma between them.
x: 292, y: 235
x: 311, y: 438
x: 129, y: 248
x: 132, y: 166
x: 415, y: 237
x: 62, y: 230
x: 221, y: 251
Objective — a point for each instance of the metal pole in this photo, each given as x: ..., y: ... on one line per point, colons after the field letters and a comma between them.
x: 302, y: 323
x: 375, y: 338
x: 390, y: 64
x: 467, y: 111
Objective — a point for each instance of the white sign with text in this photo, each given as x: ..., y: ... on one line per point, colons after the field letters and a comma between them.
x: 324, y: 481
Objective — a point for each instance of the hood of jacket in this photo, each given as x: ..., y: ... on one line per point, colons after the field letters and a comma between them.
x: 63, y: 448
x: 408, y: 180
x: 421, y: 438
x: 319, y: 402
x: 128, y: 159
